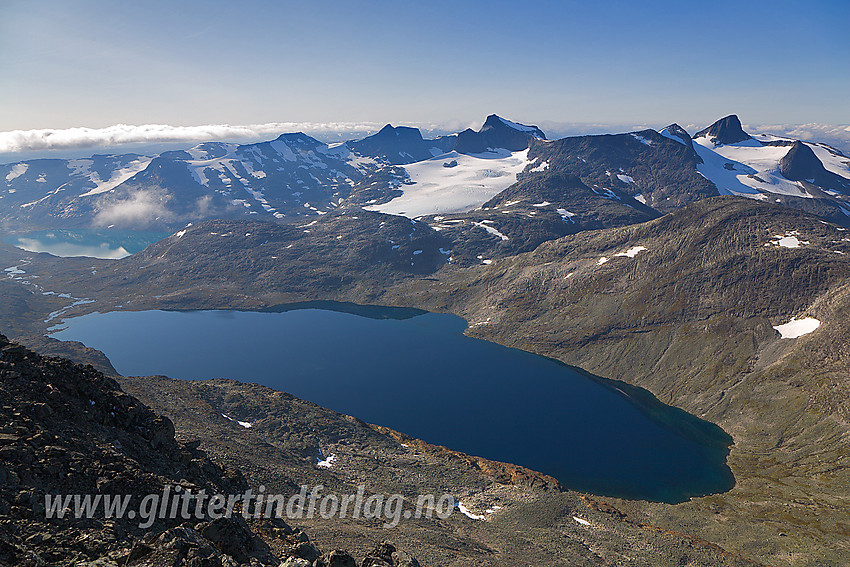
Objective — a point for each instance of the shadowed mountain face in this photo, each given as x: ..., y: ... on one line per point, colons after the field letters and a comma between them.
x: 801, y: 164
x: 658, y: 171
x: 402, y: 145
x: 727, y: 130
x: 497, y: 133
x: 676, y: 132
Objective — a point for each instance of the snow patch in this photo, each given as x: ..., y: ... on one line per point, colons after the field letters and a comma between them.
x: 520, y: 127
x: 245, y: 424
x: 491, y: 230
x: 17, y: 170
x: 788, y: 240
x: 327, y: 462
x: 641, y: 139
x: 566, y: 215
x: 666, y: 133
x: 797, y: 327
x: 632, y: 252
x: 832, y: 161
x: 542, y: 167
x: 465, y: 511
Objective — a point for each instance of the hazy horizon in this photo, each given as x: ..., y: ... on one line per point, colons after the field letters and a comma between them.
x: 155, y: 138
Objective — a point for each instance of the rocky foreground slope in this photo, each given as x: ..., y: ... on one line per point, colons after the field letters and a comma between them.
x: 68, y: 430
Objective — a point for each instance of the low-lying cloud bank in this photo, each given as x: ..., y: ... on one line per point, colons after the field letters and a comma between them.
x: 121, y: 134
x: 122, y: 137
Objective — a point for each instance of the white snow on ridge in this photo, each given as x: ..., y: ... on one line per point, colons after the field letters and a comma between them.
x: 566, y: 215
x: 476, y: 179
x: 632, y: 252
x: 840, y: 165
x: 520, y: 127
x: 542, y: 167
x: 465, y: 511
x: 666, y: 133
x: 17, y: 170
x: 797, y: 327
x: 118, y: 177
x: 491, y: 230
x: 641, y: 139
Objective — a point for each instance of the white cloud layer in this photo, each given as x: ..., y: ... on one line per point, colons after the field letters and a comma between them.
x: 16, y: 142
x: 123, y: 134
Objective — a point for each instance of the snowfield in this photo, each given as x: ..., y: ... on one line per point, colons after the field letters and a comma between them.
x: 750, y: 169
x: 746, y: 169
x: 475, y: 179
x: 118, y: 177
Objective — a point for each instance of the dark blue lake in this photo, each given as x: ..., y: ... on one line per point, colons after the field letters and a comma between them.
x: 417, y: 373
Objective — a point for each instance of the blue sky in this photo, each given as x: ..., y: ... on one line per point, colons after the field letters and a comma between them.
x: 96, y: 63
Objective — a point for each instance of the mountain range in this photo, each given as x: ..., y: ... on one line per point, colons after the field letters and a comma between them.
x: 642, y: 174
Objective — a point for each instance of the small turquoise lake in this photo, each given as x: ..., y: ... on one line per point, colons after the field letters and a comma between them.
x: 95, y: 243
x: 417, y: 373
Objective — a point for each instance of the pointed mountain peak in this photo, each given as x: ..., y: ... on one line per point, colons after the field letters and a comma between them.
x: 677, y: 133
x: 800, y: 163
x: 496, y: 121
x: 727, y: 130
x: 497, y: 133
